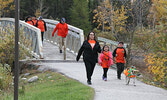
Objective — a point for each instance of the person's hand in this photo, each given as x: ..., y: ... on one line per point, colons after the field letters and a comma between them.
x: 52, y: 35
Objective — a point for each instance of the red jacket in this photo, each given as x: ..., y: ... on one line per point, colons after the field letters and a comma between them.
x: 62, y: 30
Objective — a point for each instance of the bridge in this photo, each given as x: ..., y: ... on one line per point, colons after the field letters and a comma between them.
x: 48, y: 55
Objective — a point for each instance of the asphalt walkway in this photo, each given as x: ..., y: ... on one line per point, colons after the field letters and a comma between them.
x: 112, y: 89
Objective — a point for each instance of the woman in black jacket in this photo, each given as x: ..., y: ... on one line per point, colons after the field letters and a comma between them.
x: 90, y: 49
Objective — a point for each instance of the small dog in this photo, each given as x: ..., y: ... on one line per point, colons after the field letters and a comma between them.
x: 130, y: 72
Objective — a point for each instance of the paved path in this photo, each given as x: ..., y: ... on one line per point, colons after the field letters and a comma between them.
x: 113, y: 89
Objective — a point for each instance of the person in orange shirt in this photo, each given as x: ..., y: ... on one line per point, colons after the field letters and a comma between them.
x: 34, y: 19
x: 62, y: 31
x: 105, y: 60
x: 42, y: 26
x: 120, y: 55
x: 90, y: 49
x: 29, y: 20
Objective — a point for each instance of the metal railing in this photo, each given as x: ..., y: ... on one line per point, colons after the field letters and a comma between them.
x: 74, y: 39
x: 112, y: 44
x: 32, y: 33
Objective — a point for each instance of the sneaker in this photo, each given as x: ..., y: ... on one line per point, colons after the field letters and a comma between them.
x: 89, y: 82
x: 60, y: 51
x: 105, y: 79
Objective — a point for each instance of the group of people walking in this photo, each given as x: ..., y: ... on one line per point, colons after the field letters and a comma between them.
x: 40, y: 23
x: 90, y: 49
x: 61, y: 28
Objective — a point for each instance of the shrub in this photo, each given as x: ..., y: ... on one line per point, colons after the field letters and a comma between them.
x: 7, y: 46
x: 5, y: 77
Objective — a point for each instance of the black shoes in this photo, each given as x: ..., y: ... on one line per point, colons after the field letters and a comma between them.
x: 89, y: 82
x: 60, y: 51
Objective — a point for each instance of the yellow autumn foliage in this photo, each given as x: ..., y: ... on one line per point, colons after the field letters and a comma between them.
x: 158, y: 11
x: 157, y: 65
x: 4, y: 4
x: 109, y: 19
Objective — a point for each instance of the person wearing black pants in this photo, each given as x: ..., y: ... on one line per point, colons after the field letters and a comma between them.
x: 105, y: 70
x: 90, y: 49
x: 120, y: 55
x: 89, y: 69
x: 42, y: 26
x: 120, y: 69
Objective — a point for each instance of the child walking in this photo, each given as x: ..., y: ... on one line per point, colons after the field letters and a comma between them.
x: 105, y: 60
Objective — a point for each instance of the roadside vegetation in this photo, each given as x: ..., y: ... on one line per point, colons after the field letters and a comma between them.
x: 51, y: 86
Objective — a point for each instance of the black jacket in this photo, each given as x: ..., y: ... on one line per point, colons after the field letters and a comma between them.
x: 89, y: 54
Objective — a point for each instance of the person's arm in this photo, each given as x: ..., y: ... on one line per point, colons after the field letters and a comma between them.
x: 36, y: 24
x: 100, y: 58
x: 45, y: 25
x: 114, y: 53
x: 55, y: 30
x: 66, y: 30
x: 125, y: 53
x: 110, y: 59
x: 80, y: 52
x: 99, y: 48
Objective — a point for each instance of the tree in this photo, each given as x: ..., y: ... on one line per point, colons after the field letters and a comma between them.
x: 110, y: 19
x: 79, y: 16
x: 158, y: 12
x: 4, y: 4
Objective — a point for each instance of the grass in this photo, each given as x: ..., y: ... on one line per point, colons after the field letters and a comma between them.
x: 58, y: 87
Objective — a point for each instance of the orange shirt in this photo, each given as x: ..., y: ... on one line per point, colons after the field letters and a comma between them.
x: 35, y: 22
x: 120, y: 55
x: 105, y: 60
x: 30, y: 22
x: 41, y: 25
x: 92, y: 43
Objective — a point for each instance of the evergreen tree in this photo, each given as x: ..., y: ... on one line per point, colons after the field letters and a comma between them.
x: 80, y: 15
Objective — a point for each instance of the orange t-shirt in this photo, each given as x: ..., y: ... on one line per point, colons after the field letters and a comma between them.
x: 41, y: 25
x: 30, y: 22
x: 35, y: 22
x: 120, y: 55
x: 92, y: 43
x: 105, y: 60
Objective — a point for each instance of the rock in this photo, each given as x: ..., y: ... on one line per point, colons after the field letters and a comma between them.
x: 50, y: 77
x: 33, y: 79
x: 23, y: 78
x: 26, y: 74
x: 42, y: 69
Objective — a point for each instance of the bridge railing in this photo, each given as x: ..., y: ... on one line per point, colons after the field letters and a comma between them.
x: 112, y: 44
x: 32, y: 33
x: 74, y: 39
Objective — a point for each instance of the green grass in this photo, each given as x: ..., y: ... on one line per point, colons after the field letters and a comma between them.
x: 58, y: 87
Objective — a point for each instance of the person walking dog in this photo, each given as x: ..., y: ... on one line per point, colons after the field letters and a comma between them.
x: 90, y: 49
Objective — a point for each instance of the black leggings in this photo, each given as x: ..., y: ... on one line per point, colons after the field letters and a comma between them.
x: 120, y: 69
x: 42, y: 34
x: 89, y: 69
x: 105, y: 70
